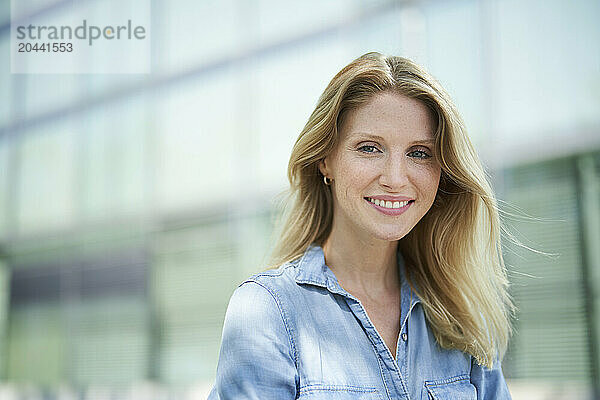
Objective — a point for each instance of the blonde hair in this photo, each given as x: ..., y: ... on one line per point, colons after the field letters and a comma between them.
x: 453, y: 255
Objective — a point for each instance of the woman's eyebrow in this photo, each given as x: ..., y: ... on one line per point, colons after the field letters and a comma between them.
x: 366, y: 135
x: 424, y: 141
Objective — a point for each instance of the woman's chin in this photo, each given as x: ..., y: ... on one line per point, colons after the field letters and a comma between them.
x: 391, y: 236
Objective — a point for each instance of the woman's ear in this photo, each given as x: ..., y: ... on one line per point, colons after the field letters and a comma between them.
x: 323, y: 167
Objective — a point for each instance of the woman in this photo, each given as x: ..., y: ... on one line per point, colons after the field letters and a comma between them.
x: 390, y: 283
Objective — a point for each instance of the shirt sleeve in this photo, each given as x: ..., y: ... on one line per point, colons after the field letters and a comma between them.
x: 490, y: 383
x: 256, y: 359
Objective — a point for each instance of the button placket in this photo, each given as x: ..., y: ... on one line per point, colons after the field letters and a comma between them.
x: 382, y: 348
x: 392, y: 374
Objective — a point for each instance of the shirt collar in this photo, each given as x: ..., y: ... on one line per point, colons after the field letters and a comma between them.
x: 311, y: 269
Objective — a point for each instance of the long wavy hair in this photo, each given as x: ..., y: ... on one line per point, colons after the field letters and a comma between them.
x: 453, y: 254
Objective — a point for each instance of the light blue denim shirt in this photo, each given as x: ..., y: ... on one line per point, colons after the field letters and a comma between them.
x: 295, y: 333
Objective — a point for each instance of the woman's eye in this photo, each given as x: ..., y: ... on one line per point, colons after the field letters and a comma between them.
x: 368, y: 149
x: 419, y: 154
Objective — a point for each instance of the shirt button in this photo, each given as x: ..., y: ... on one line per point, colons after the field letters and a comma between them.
x: 404, y: 337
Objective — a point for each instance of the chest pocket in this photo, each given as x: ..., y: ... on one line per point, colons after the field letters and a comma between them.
x: 327, y: 392
x: 457, y: 388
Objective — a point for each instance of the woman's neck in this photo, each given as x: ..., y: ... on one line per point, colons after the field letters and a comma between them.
x: 363, y: 267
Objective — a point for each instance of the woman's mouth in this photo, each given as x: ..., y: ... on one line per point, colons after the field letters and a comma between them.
x: 389, y: 207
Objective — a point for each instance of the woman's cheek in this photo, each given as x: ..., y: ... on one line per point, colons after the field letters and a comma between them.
x: 357, y: 168
x: 427, y: 179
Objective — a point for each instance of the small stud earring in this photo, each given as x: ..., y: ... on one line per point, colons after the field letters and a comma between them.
x: 327, y: 180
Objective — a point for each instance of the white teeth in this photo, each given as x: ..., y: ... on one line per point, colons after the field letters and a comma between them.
x: 388, y: 204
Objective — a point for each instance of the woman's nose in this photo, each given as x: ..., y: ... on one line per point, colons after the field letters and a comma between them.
x: 394, y: 174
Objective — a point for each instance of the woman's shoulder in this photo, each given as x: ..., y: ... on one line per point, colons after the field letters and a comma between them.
x: 263, y: 303
x: 286, y: 287
x: 278, y: 281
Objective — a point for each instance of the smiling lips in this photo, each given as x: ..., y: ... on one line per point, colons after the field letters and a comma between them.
x: 391, y: 206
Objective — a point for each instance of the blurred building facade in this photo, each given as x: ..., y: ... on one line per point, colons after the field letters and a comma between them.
x: 131, y: 206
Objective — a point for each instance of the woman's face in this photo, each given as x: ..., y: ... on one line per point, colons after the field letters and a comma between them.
x: 385, y: 175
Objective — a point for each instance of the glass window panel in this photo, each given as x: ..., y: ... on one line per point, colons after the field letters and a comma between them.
x: 32, y: 357
x: 196, y: 143
x: 108, y: 341
x: 454, y: 57
x: 96, y: 154
x: 194, y: 274
x: 6, y: 79
x: 5, y: 188
x: 49, y: 92
x: 135, y: 58
x: 46, y: 178
x: 93, y: 317
x: 382, y: 33
x: 288, y: 19
x: 199, y: 32
x: 5, y: 13
x: 289, y: 87
x: 254, y: 233
x: 113, y: 159
x: 544, y: 83
x: 551, y: 322
x: 20, y: 7
x: 45, y: 93
x: 4, y: 313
